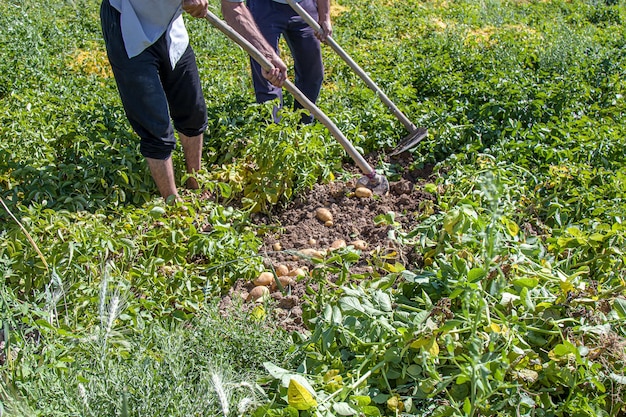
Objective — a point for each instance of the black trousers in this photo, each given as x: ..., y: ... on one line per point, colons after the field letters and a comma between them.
x: 154, y: 95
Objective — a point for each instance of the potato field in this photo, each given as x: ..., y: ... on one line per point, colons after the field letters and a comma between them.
x: 489, y: 281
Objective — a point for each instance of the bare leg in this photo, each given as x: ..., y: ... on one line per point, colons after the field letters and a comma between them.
x: 192, y: 148
x: 163, y: 174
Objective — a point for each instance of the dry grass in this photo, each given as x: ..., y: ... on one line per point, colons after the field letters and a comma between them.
x: 485, y: 36
x: 91, y: 61
x: 337, y: 10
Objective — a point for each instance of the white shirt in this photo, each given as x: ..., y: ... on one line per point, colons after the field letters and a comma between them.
x: 144, y: 21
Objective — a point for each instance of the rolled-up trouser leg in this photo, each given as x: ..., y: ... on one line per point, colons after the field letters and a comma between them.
x: 142, y: 82
x: 184, y: 94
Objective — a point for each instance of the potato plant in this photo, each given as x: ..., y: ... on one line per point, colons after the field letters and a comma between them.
x: 109, y: 297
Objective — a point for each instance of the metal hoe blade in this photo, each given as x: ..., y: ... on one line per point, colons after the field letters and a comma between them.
x: 415, y: 132
x: 410, y: 141
x: 377, y: 183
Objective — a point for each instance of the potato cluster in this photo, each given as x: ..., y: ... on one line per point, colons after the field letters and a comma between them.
x: 265, y: 283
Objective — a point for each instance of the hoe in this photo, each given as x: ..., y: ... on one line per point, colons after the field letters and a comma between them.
x: 415, y: 134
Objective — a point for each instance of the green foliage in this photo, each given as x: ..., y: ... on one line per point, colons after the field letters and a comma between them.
x: 517, y: 307
x: 150, y: 368
x: 272, y: 163
x: 495, y: 323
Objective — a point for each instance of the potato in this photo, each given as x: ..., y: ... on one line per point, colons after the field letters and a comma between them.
x: 265, y: 278
x: 258, y: 293
x: 359, y: 244
x: 329, y: 223
x: 281, y: 270
x: 286, y: 280
x: 298, y: 272
x: 337, y: 244
x: 323, y: 214
x: 313, y: 253
x: 277, y: 247
x: 363, y: 192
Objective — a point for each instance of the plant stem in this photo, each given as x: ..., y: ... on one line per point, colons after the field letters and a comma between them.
x: 30, y: 239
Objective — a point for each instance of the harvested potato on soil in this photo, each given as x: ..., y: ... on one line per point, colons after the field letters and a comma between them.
x: 282, y: 270
x: 258, y: 293
x: 363, y: 192
x: 359, y: 244
x: 323, y: 214
x: 338, y: 244
x: 264, y: 278
x: 277, y: 247
x: 313, y: 253
x: 298, y: 272
x: 286, y: 280
x: 329, y: 223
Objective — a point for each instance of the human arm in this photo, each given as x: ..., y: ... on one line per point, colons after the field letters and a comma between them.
x: 196, y: 8
x: 239, y: 18
x: 323, y: 10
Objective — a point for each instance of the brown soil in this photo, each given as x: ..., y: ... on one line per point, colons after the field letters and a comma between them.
x: 296, y: 228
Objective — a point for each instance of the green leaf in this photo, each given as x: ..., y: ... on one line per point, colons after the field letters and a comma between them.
x: 467, y: 406
x: 44, y: 323
x: 351, y: 305
x: 157, y: 212
x: 414, y: 371
x: 619, y: 305
x: 564, y: 349
x: 526, y: 282
x: 475, y: 274
x: 275, y: 371
x: 225, y: 190
x: 360, y: 400
x: 344, y: 409
x: 430, y: 188
x: 370, y: 410
x: 382, y: 301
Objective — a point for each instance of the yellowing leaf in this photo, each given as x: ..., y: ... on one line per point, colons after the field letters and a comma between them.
x: 511, y: 226
x: 299, y: 397
x: 433, y: 347
x: 330, y: 374
x: 566, y: 286
x: 429, y: 343
x: 395, y: 404
x: 258, y: 312
x: 495, y: 327
x: 419, y: 343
